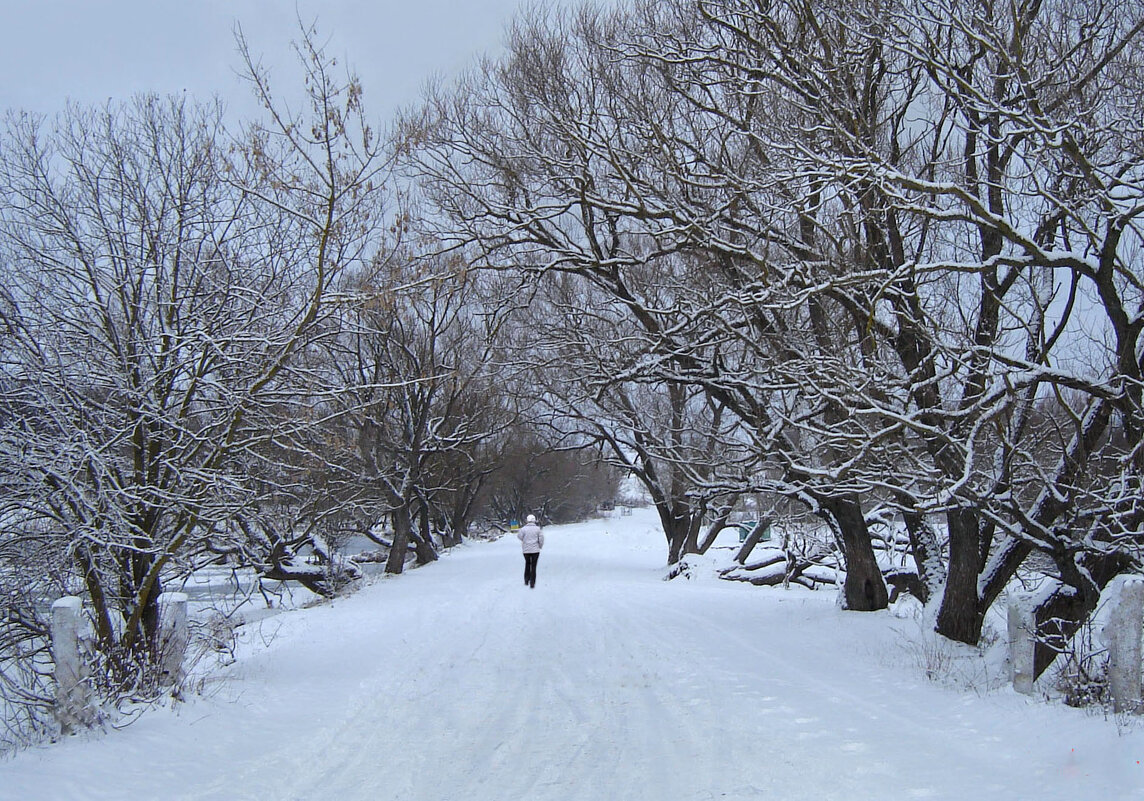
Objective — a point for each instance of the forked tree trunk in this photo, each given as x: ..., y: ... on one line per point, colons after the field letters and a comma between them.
x: 423, y: 542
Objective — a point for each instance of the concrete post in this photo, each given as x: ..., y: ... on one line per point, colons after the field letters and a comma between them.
x: 72, y: 711
x: 1022, y: 642
x: 173, y: 636
x: 1122, y: 634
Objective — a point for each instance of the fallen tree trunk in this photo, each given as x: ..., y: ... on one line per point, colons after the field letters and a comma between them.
x: 772, y: 578
x: 773, y: 571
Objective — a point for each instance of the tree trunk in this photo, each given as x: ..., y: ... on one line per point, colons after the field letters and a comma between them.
x: 717, y: 525
x: 423, y: 542
x: 104, y: 630
x: 864, y: 589
x: 691, y: 541
x: 927, y: 556
x: 314, y: 582
x: 1062, y: 614
x: 962, y: 613
x: 462, y: 511
x: 676, y: 521
x: 402, y: 527
x: 751, y: 541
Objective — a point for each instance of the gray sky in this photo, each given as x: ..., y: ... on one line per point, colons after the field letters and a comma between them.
x: 92, y: 50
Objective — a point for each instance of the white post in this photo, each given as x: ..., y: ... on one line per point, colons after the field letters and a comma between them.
x: 71, y: 694
x: 173, y: 636
x: 1022, y: 642
x: 1122, y: 634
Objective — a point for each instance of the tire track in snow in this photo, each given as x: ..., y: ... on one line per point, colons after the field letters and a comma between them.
x: 495, y: 706
x: 607, y: 683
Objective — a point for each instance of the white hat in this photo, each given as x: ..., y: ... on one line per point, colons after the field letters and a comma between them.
x: 530, y: 519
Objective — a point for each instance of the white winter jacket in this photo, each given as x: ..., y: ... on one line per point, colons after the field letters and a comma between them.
x: 531, y: 538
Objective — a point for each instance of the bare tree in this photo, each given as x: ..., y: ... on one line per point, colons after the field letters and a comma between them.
x: 1050, y: 187
x: 572, y: 158
x: 893, y: 212
x: 413, y: 360
x: 160, y: 288
x: 677, y: 441
x: 984, y: 178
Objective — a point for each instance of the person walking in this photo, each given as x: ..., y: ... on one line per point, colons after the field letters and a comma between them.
x: 531, y: 541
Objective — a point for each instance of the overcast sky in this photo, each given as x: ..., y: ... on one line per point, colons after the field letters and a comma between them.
x: 92, y: 50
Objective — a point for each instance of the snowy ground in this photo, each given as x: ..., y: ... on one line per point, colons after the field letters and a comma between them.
x: 457, y: 682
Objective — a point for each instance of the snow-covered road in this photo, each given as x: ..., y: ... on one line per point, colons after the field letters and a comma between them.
x: 457, y: 682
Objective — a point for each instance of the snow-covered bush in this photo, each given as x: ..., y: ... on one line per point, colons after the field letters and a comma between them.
x: 26, y: 688
x: 32, y: 575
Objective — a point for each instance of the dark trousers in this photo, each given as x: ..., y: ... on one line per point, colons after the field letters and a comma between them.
x: 530, y: 560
